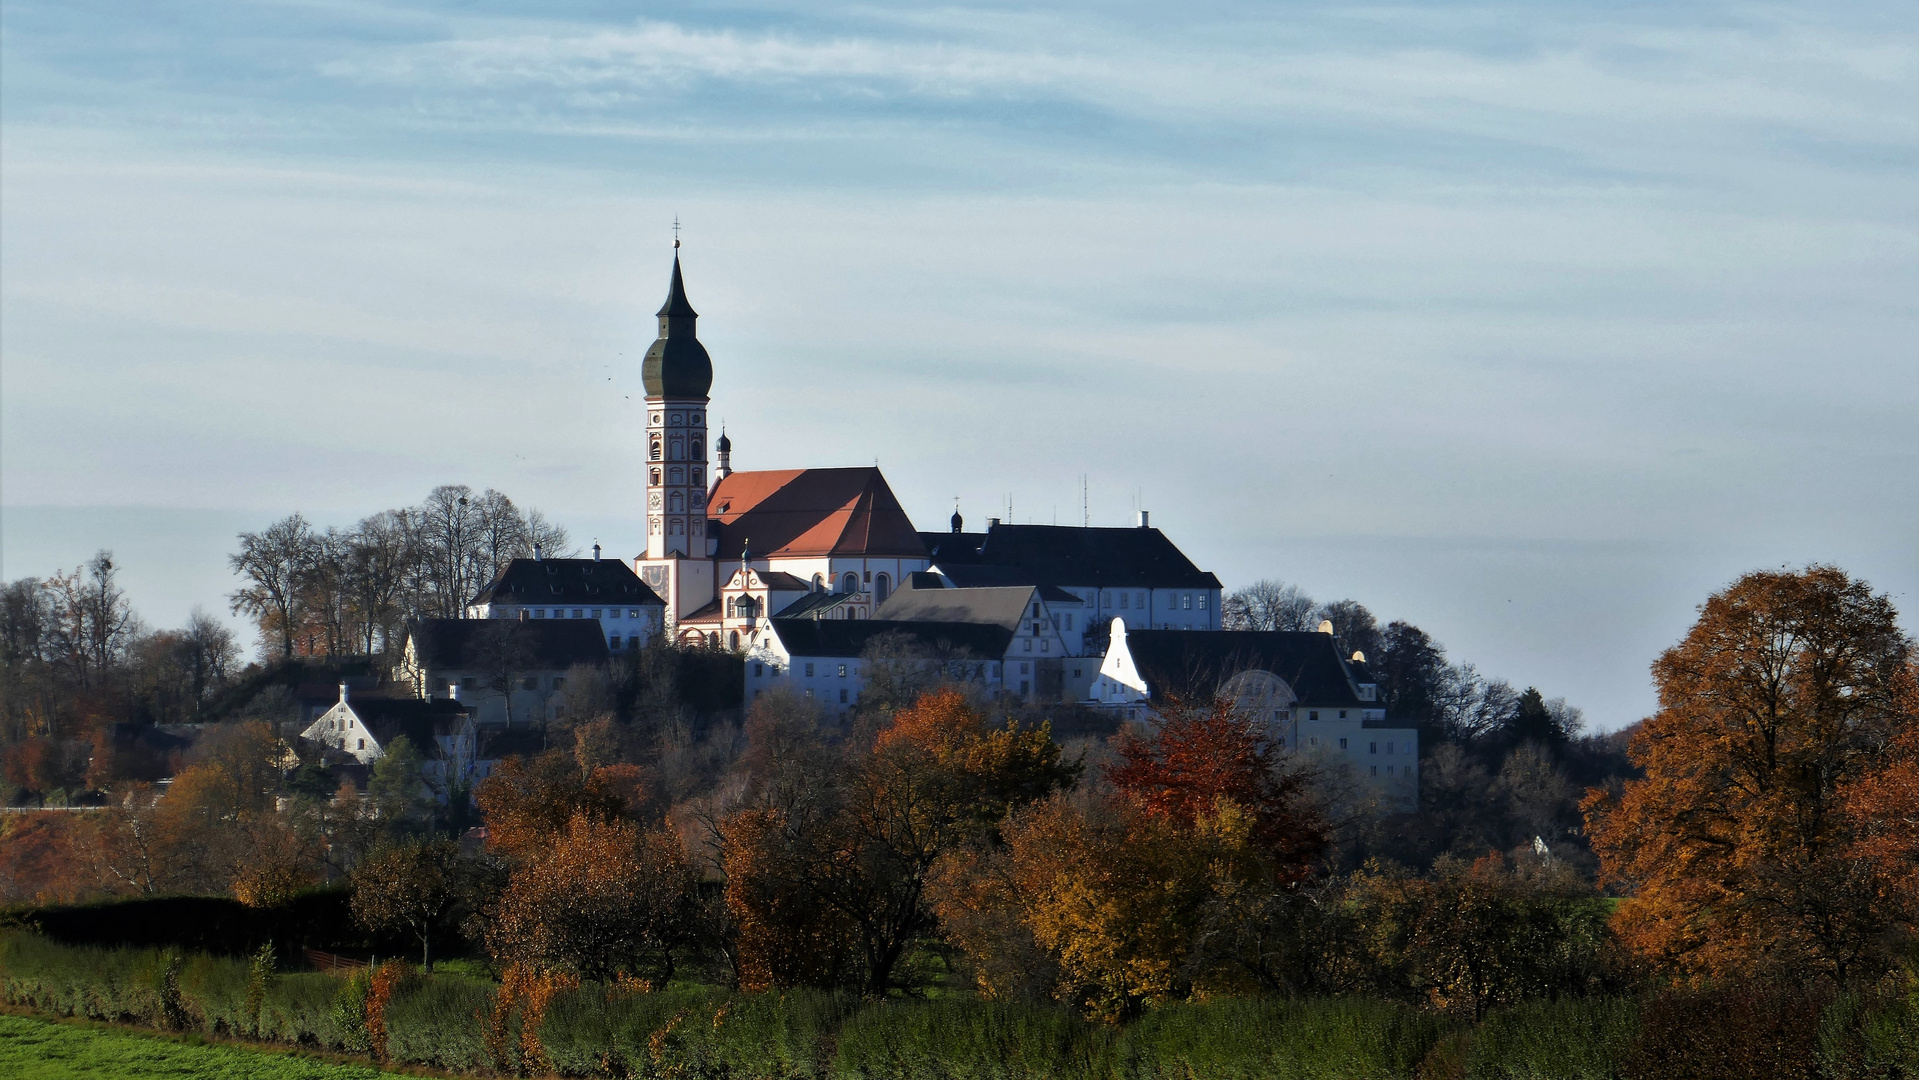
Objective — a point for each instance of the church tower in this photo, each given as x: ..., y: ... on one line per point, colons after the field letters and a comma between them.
x: 677, y: 375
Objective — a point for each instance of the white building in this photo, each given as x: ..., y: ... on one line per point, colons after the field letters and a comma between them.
x: 1315, y: 702
x: 608, y: 592
x: 828, y: 661
x: 441, y: 731
x: 1135, y: 575
x: 505, y: 671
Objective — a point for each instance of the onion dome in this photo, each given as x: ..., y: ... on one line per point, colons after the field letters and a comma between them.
x: 677, y: 365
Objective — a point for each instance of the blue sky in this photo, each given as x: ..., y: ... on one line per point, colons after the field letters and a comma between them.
x: 1530, y: 323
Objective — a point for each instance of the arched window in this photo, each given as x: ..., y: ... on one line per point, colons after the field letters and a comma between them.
x: 850, y: 583
x: 655, y: 449
x: 882, y: 588
x: 699, y: 449
x: 729, y: 607
x: 679, y: 450
x: 733, y: 641
x: 819, y: 583
x: 655, y: 476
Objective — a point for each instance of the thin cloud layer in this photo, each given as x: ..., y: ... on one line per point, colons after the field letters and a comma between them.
x: 1530, y: 324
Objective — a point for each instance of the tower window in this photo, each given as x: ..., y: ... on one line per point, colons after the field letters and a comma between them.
x: 699, y: 449
x: 654, y: 450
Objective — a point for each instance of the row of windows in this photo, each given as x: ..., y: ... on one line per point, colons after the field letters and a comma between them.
x: 582, y: 613
x: 677, y: 450
x: 1371, y: 747
x: 1124, y: 600
x: 676, y: 476
x: 1408, y: 770
x: 699, y: 419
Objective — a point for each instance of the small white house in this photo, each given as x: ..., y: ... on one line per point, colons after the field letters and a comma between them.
x: 441, y: 731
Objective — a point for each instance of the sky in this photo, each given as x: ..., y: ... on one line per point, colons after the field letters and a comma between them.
x: 1533, y: 324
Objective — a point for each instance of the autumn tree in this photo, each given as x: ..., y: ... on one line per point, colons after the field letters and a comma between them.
x: 1498, y: 930
x: 409, y: 888
x: 602, y: 898
x: 527, y: 802
x: 1737, y: 846
x: 1197, y: 755
x: 272, y: 565
x: 861, y: 840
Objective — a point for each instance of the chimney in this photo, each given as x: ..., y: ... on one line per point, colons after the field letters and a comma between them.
x: 1145, y: 519
x: 596, y: 553
x: 452, y: 691
x: 343, y: 691
x: 538, y: 554
x: 992, y: 522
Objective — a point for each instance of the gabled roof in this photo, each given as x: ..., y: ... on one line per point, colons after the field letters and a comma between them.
x: 1006, y: 606
x: 781, y: 581
x: 849, y: 637
x: 795, y: 512
x: 418, y: 720
x: 608, y: 582
x: 551, y: 644
x: 1066, y: 555
x: 1194, y: 663
x: 815, y: 605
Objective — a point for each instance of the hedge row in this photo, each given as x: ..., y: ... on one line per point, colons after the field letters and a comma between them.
x: 317, y: 918
x: 693, y: 1032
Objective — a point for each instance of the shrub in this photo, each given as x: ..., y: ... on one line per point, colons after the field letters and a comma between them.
x: 1281, y: 1039
x: 1871, y: 1036
x: 440, y: 1022
x: 299, y: 1008
x: 1730, y: 1032
x: 1570, y: 1039
x: 968, y: 1039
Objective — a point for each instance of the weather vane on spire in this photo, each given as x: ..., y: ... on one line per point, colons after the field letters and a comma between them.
x: 676, y: 232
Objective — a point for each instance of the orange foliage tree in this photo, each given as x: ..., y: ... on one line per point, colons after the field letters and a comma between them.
x: 1738, y: 847
x: 602, y: 899
x: 527, y: 802
x: 1173, y: 882
x: 1196, y: 756
x: 842, y: 859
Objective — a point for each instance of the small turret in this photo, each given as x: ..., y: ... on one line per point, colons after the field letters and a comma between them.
x: 724, y: 447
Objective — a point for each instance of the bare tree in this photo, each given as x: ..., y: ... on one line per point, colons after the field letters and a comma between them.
x: 383, y: 552
x: 1353, y: 626
x: 503, y: 651
x: 450, y: 533
x: 273, y: 564
x: 503, y: 533
x: 93, y: 623
x: 1269, y: 604
x: 552, y: 540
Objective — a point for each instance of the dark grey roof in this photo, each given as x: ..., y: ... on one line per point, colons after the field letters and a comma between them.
x: 607, y: 582
x: 1066, y: 556
x: 553, y: 644
x: 1193, y: 663
x: 1003, y: 606
x: 418, y: 720
x: 814, y: 605
x: 923, y: 579
x: 676, y: 365
x: 783, y: 581
x: 849, y: 637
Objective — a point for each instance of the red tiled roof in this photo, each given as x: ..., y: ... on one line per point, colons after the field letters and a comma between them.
x: 794, y: 512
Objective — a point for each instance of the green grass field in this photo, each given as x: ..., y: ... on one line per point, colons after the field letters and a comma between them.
x: 38, y: 1050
